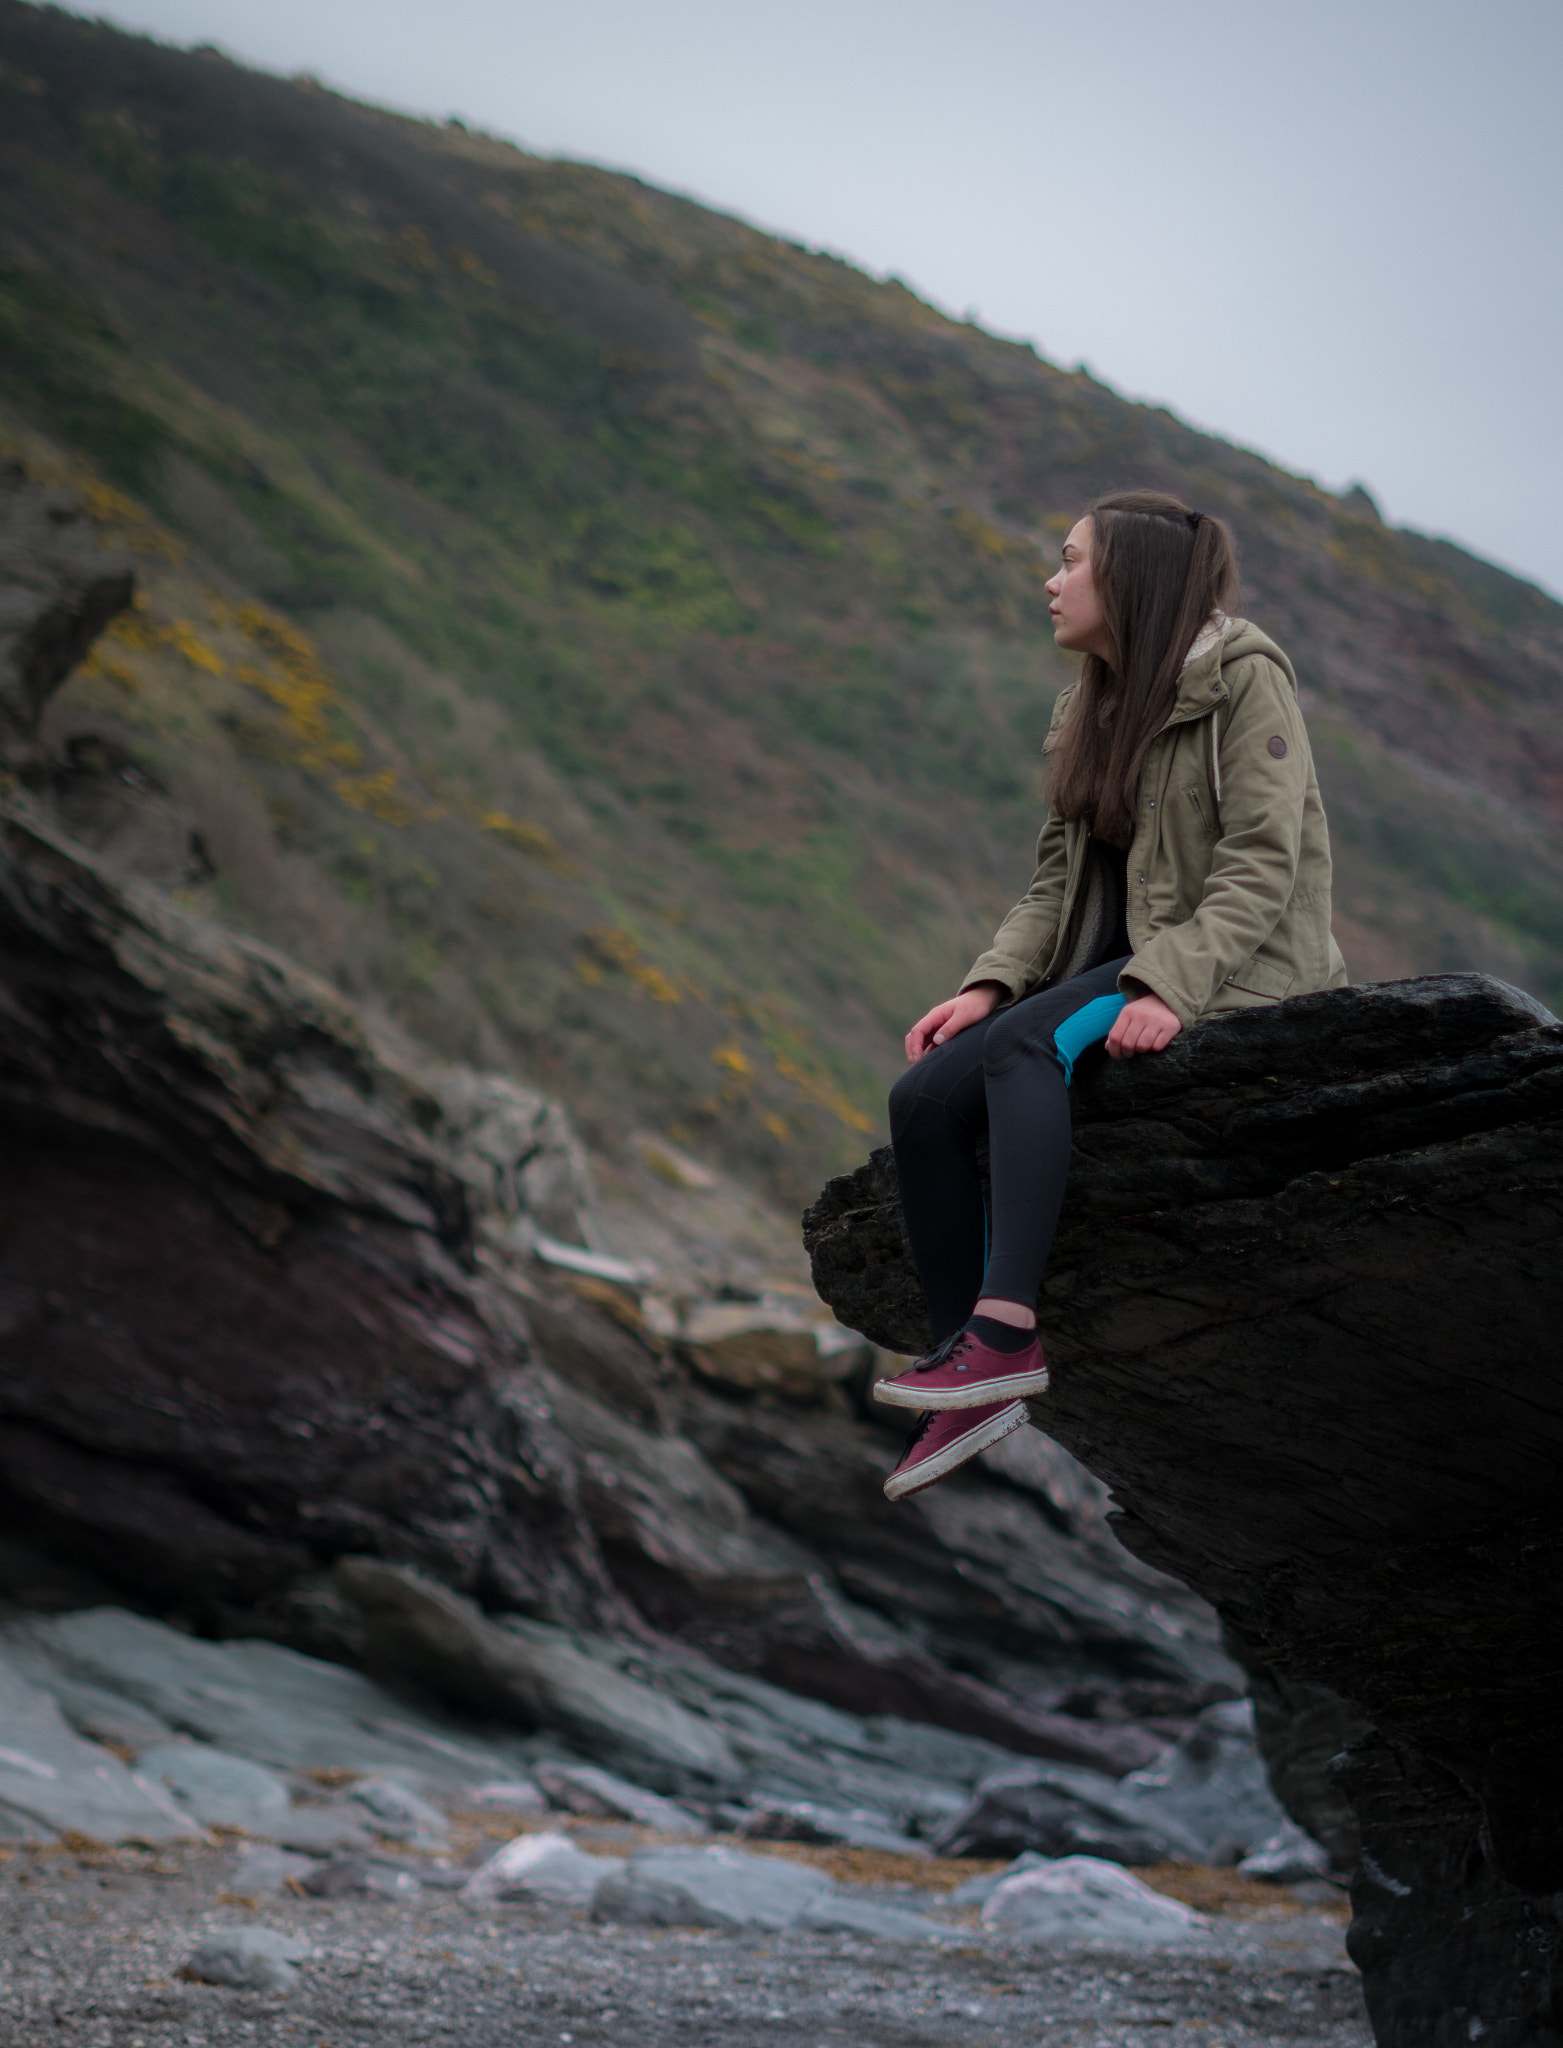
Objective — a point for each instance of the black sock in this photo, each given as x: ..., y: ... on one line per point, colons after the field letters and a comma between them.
x: 999, y: 1336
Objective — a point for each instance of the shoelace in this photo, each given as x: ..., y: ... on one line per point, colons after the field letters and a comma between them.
x: 919, y: 1430
x: 942, y: 1353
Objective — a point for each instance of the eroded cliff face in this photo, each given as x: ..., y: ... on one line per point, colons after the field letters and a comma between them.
x: 241, y: 1326
x: 255, y: 1320
x: 266, y: 1303
x: 1303, y: 1316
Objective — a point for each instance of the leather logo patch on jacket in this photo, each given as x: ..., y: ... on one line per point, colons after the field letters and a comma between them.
x: 1277, y: 746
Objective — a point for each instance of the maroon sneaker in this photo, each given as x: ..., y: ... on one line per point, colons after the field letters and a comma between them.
x: 942, y: 1442
x: 963, y: 1372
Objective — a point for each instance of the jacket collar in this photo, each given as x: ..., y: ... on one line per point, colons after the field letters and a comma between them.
x: 1200, y: 686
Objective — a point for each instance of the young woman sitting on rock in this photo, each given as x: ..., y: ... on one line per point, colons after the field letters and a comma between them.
x: 1184, y: 869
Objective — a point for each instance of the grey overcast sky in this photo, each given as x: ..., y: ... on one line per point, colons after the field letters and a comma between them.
x: 1329, y: 229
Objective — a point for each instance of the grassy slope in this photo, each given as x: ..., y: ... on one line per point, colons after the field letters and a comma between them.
x: 614, y: 638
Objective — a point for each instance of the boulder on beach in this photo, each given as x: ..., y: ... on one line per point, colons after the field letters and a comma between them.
x: 543, y: 1866
x: 726, y: 1888
x: 248, y: 1959
x: 1083, y: 1902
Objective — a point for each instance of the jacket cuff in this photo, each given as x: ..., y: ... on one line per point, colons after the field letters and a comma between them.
x: 1005, y: 972
x: 1144, y: 979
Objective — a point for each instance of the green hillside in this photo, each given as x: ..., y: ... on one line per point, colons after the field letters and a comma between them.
x: 613, y: 638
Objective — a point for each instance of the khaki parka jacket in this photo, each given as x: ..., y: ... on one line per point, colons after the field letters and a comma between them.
x: 1229, y: 868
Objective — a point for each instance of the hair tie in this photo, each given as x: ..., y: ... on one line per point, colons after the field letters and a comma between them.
x: 1194, y: 519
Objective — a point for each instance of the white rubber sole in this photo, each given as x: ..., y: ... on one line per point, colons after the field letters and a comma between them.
x: 902, y: 1484
x: 1015, y: 1386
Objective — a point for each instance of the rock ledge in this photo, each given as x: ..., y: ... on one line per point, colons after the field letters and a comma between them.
x: 1302, y: 1315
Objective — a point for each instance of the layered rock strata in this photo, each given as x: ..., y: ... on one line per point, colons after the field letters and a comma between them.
x: 1302, y: 1315
x: 239, y: 1329
x: 267, y: 1301
x: 254, y: 1321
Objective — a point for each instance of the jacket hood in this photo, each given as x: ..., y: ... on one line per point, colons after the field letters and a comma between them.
x: 1220, y: 645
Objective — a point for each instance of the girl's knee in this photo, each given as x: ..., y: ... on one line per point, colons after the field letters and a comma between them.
x: 1011, y: 1036
x: 903, y: 1100
x: 1022, y: 1041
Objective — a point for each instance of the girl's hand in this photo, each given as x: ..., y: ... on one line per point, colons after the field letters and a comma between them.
x: 1145, y: 1025
x: 944, y: 1020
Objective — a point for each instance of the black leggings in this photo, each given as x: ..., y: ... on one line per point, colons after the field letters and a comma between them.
x: 1001, y: 1076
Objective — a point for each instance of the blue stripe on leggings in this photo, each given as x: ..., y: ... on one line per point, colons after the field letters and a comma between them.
x: 1088, y: 1026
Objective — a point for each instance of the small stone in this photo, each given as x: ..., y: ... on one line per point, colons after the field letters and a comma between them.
x: 359, y: 1877
x: 399, y: 1814
x: 543, y: 1866
x: 1289, y: 1857
x: 262, y: 1867
x: 318, y: 1830
x: 248, y: 1959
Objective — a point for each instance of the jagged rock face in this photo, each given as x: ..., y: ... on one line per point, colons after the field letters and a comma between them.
x: 241, y: 1333
x: 238, y: 1333
x: 254, y: 1320
x: 266, y: 1301
x: 58, y: 590
x: 978, y: 1578
x: 1302, y: 1314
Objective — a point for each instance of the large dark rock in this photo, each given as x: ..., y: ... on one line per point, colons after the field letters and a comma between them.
x: 1303, y: 1316
x: 240, y: 1332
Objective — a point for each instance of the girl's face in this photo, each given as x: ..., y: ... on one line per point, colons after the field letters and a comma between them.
x: 1079, y: 623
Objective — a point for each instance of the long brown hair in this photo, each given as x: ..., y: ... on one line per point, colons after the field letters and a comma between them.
x: 1160, y: 570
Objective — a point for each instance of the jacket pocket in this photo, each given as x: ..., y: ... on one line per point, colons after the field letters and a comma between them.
x: 1203, y: 807
x: 1263, y: 978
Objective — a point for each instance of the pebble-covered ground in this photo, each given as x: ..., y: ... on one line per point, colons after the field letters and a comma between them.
x: 92, y: 1943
